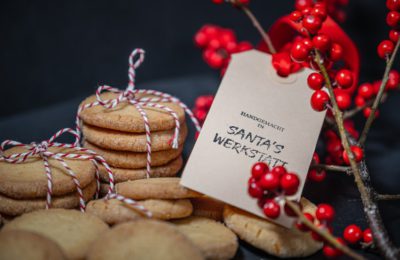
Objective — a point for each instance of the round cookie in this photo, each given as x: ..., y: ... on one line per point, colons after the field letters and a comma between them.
x: 72, y: 230
x: 144, y: 239
x: 28, y: 180
x: 214, y: 240
x: 121, y: 175
x: 131, y: 160
x: 208, y: 207
x: 269, y: 237
x: 155, y: 188
x: 20, y: 244
x: 131, y: 142
x: 114, y: 211
x: 13, y: 207
x: 125, y: 117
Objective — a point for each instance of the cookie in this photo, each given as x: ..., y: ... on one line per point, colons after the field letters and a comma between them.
x: 72, y: 230
x: 155, y: 188
x: 20, y: 244
x: 144, y: 239
x: 125, y: 117
x: 120, y: 175
x: 131, y: 160
x: 125, y: 141
x: 214, y: 240
x: 208, y: 207
x: 269, y: 237
x: 15, y: 207
x: 28, y: 180
x: 114, y: 212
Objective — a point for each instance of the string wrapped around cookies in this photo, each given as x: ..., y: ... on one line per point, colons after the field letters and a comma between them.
x: 141, y: 100
x: 25, y: 160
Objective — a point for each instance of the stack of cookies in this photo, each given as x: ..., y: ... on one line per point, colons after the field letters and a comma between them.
x: 23, y: 186
x: 118, y: 134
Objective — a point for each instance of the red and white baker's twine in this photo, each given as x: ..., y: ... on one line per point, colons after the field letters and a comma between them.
x: 129, y: 95
x: 41, y: 149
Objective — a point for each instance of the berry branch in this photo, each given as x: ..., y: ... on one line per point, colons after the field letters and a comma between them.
x: 335, y: 168
x: 378, y: 98
x: 387, y: 196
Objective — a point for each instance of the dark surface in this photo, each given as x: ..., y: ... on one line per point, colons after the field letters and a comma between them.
x: 338, y: 189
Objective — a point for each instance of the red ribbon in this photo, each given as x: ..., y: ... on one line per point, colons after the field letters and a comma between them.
x: 284, y: 30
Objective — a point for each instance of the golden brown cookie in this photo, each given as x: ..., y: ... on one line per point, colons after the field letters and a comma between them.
x: 14, y: 207
x: 28, y: 179
x: 208, y: 207
x: 72, y: 230
x: 20, y: 244
x: 143, y: 239
x: 131, y: 142
x: 114, y: 212
x: 120, y: 175
x: 214, y: 240
x: 155, y: 188
x: 269, y: 237
x: 131, y: 160
x: 125, y: 117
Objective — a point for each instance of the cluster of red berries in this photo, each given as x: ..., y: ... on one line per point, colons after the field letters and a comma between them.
x: 201, y: 107
x: 386, y: 47
x: 269, y: 187
x: 353, y: 234
x: 314, y: 174
x: 218, y: 44
x: 311, y: 16
x: 367, y: 91
x: 336, y: 153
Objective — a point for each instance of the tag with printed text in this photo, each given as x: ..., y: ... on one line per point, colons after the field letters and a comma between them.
x: 256, y: 116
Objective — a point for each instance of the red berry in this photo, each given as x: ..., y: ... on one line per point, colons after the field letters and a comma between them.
x: 320, y: 11
x: 288, y: 210
x: 344, y: 78
x: 299, y: 52
x: 269, y: 181
x: 200, y: 114
x: 331, y: 251
x: 296, y: 16
x: 204, y: 102
x: 367, y: 112
x: 357, y: 152
x: 214, y: 43
x: 316, y: 236
x: 315, y: 158
x: 301, y: 226
x: 359, y: 101
x: 322, y: 42
x: 306, y: 11
x: 352, y: 234
x: 244, y: 46
x: 279, y: 170
x: 315, y: 81
x: 393, y: 19
x: 316, y: 175
x: 393, y: 5
x: 312, y: 23
x: 226, y: 36
x: 301, y: 4
x: 366, y: 90
x: 201, y: 39
x: 343, y: 99
x: 385, y: 48
x: 325, y: 212
x: 290, y: 183
x: 336, y: 52
x: 218, y: 2
x: 319, y: 99
x: 216, y: 60
x: 367, y: 236
x: 259, y: 169
x: 255, y: 190
x: 210, y: 30
x: 272, y: 209
x: 308, y: 43
x: 394, y: 35
x: 394, y: 80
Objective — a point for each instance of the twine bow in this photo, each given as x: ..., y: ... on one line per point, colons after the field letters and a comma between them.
x: 42, y: 149
x: 130, y: 95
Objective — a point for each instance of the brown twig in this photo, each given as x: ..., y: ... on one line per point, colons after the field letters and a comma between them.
x: 256, y: 24
x: 387, y: 196
x: 335, y: 168
x: 378, y: 98
x: 322, y: 232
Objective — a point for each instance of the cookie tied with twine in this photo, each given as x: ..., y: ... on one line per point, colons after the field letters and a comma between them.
x: 136, y: 110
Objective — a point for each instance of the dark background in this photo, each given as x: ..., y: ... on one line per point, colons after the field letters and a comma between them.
x: 51, y: 51
x: 55, y: 53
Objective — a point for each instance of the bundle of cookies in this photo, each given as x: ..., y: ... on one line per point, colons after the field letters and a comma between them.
x: 119, y: 135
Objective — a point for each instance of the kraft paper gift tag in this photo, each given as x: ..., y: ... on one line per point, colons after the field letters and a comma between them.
x: 256, y: 116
